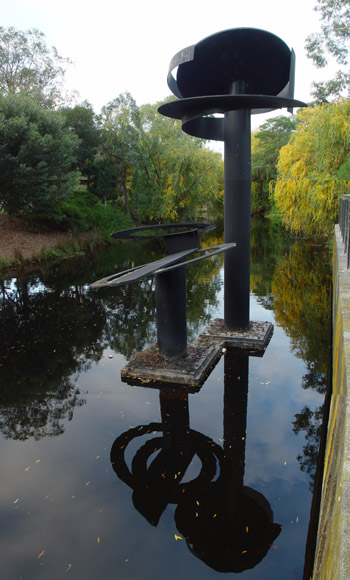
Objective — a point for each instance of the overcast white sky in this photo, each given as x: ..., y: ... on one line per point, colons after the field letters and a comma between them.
x: 127, y: 45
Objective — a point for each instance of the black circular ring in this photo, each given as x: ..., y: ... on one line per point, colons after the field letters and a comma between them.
x: 121, y: 469
x: 136, y: 233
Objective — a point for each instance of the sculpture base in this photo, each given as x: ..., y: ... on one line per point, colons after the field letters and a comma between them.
x: 152, y: 368
x: 256, y: 337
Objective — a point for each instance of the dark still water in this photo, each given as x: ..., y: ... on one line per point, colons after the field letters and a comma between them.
x: 103, y: 480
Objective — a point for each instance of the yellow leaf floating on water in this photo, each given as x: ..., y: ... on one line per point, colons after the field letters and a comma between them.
x: 98, y: 539
x: 27, y: 468
x: 177, y: 537
x: 41, y: 554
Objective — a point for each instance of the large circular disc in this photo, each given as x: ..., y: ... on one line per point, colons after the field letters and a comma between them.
x: 257, y: 57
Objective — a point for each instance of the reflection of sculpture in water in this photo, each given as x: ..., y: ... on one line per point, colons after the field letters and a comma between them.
x: 227, y: 525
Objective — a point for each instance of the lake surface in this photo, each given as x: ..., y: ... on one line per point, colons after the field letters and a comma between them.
x: 105, y: 480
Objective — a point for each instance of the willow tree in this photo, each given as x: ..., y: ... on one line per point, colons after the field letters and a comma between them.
x: 177, y: 176
x: 266, y: 144
x: 311, y: 174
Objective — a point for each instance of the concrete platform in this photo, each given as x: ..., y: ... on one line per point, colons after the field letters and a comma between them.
x: 152, y: 368
x: 256, y: 337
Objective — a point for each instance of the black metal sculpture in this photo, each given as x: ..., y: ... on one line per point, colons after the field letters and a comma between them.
x: 170, y: 278
x: 235, y: 72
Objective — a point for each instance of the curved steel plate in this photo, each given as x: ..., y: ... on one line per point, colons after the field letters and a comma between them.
x: 259, y: 58
x: 137, y: 233
x: 193, y: 111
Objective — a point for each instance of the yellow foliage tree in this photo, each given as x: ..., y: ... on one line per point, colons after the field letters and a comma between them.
x: 308, y: 186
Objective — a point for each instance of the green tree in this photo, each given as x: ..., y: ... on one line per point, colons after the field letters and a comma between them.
x: 157, y: 171
x: 36, y: 156
x: 104, y: 181
x: 81, y: 119
x: 28, y: 66
x: 266, y: 144
x: 309, y: 184
x: 332, y: 39
x: 120, y: 134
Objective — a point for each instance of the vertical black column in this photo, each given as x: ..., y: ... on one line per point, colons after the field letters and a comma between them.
x: 235, y: 418
x: 237, y: 210
x: 171, y: 312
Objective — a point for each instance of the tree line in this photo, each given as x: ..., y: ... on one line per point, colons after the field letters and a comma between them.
x: 65, y: 165
x: 301, y: 167
x: 68, y: 166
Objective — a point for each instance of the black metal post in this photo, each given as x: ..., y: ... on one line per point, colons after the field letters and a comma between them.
x: 237, y: 210
x: 171, y: 312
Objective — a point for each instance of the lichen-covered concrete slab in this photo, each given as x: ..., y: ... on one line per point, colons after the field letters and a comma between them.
x: 153, y: 368
x: 256, y: 337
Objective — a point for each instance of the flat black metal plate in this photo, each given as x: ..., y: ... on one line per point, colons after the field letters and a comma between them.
x: 216, y: 250
x: 194, y: 107
x: 159, y: 266
x: 140, y: 272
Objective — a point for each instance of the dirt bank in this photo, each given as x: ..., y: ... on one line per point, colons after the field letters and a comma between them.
x: 17, y: 243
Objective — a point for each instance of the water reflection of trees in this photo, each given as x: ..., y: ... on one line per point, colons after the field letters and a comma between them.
x: 269, y: 243
x: 130, y: 316
x: 54, y: 326
x: 47, y: 338
x: 311, y: 422
x: 301, y: 290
